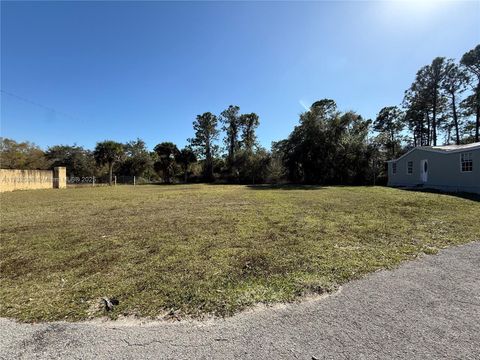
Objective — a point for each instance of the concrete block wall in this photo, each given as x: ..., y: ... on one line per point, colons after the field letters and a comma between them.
x: 32, y: 179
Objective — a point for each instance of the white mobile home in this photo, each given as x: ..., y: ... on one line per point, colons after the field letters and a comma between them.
x: 448, y: 168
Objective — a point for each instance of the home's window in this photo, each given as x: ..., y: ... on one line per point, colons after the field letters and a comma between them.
x: 466, y: 162
x: 394, y: 168
x: 410, y: 167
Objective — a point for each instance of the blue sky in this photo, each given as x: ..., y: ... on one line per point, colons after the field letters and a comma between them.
x: 122, y: 70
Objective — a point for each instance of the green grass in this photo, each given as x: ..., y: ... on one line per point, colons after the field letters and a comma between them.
x: 208, y: 249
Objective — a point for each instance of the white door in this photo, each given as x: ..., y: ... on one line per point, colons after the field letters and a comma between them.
x: 424, y: 170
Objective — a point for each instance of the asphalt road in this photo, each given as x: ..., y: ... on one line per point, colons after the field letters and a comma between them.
x: 426, y: 309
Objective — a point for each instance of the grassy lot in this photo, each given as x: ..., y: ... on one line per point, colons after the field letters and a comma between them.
x: 205, y: 249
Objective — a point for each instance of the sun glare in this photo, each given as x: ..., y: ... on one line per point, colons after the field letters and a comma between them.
x: 412, y: 11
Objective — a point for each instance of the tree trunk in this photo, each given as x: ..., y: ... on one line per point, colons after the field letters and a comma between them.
x: 428, y: 129
x: 421, y: 132
x: 392, y: 136
x: 455, y: 120
x: 231, y: 149
x: 208, y: 170
x: 110, y: 172
x: 186, y: 174
x: 434, y: 124
x: 434, y: 121
x: 477, y: 123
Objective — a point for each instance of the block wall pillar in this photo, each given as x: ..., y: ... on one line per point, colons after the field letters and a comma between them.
x: 59, y: 177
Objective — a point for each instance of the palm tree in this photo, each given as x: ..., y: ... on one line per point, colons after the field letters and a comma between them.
x: 167, y: 153
x: 108, y: 152
x: 185, y: 157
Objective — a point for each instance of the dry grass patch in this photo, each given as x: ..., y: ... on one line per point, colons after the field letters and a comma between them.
x: 205, y: 249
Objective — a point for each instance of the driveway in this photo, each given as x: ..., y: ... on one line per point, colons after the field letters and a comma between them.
x: 426, y: 309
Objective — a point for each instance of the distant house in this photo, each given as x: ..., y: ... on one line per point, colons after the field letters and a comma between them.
x: 448, y: 168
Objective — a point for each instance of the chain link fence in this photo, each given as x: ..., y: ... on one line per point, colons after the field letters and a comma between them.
x: 85, y: 181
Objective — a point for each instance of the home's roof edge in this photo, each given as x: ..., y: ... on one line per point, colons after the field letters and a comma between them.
x: 475, y: 146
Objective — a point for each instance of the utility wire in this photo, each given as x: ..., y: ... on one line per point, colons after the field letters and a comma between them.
x: 39, y: 105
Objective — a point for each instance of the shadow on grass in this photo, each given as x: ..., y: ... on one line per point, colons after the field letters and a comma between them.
x: 285, y: 187
x: 463, y: 195
x: 163, y: 183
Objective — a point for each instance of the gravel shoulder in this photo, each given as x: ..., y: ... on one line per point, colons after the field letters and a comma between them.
x: 426, y: 309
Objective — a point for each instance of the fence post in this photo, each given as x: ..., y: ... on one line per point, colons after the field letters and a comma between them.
x: 115, y: 180
x: 93, y: 181
x: 133, y: 180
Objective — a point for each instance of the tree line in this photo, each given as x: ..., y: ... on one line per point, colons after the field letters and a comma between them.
x: 311, y: 154
x: 240, y: 160
x: 327, y: 146
x: 444, y: 99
